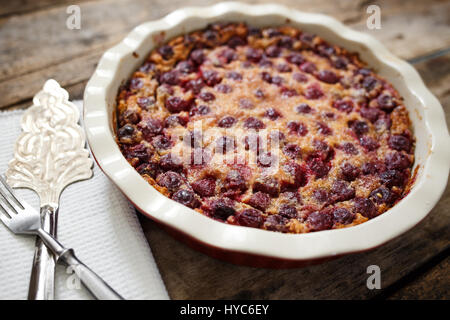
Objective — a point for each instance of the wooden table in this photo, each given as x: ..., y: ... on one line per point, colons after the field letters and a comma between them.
x: 36, y: 45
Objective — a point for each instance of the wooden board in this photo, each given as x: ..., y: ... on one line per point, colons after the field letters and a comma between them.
x: 35, y: 45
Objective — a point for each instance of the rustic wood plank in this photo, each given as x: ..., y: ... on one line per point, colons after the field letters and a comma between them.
x: 32, y: 43
x: 192, y: 275
x: 24, y: 6
x: 432, y: 285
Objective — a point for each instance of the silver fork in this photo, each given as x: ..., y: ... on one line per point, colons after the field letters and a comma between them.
x: 21, y: 218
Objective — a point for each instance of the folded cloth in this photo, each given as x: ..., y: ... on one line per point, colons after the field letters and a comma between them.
x: 96, y: 220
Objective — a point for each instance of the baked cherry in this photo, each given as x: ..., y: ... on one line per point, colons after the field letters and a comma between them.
x: 313, y: 92
x: 224, y: 88
x: 321, y: 195
x: 299, y: 77
x: 253, y: 55
x: 126, y: 131
x: 371, y: 114
x: 318, y: 167
x: 130, y: 116
x: 292, y: 150
x: 295, y: 58
x: 323, y: 128
x: 136, y: 83
x: 296, y: 172
x: 211, y: 77
x: 397, y: 160
x: 283, y: 67
x: 200, y: 110
x: 161, y: 142
x: 253, y: 123
x: 369, y: 143
x: 150, y: 127
x: 197, y: 56
x: 386, y: 102
x: 349, y: 148
x: 308, y: 67
x: 222, y: 208
x: 175, y: 120
x: 187, y: 198
x: 170, y: 180
x: 276, y: 222
x: 319, y: 220
x: 259, y: 200
x: 342, y: 191
x: 145, y: 102
x: 343, y: 105
x: 373, y: 167
x: 392, y: 178
x: 359, y: 127
x: 272, y: 114
x: 195, y: 85
x: 207, y: 96
x: 166, y: 52
x: 383, y: 195
x: 170, y: 162
x: 250, y: 218
x: 303, y: 108
x: 369, y: 83
x: 138, y: 151
x: 328, y: 76
x: 176, y: 104
x: 267, y: 185
x: 286, y: 42
x: 287, y: 211
x: 343, y: 216
x: 205, y: 187
x: 297, y: 128
x: 235, y: 180
x: 273, y: 51
x: 399, y: 142
x: 365, y: 207
x: 349, y: 172
x: 226, y: 122
x: 287, y: 92
x: 185, y: 67
x: 236, y: 41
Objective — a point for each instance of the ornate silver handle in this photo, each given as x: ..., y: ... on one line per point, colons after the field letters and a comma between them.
x: 43, y: 272
x: 96, y: 285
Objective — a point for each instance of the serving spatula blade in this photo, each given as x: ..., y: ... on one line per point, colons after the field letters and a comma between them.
x: 49, y: 154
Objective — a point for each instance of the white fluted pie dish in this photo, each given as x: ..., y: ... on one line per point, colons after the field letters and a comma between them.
x: 254, y: 246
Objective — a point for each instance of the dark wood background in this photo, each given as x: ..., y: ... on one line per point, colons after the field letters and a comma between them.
x: 36, y: 45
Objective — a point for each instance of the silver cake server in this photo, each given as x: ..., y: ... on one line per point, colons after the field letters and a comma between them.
x: 49, y: 155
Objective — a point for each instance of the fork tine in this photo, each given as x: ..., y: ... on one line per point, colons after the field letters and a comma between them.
x: 9, y: 197
x: 5, y: 219
x: 4, y: 209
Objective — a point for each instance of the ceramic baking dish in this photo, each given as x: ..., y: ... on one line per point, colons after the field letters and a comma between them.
x: 254, y: 246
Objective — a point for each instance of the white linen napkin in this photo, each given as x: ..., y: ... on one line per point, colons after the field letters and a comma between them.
x: 96, y: 220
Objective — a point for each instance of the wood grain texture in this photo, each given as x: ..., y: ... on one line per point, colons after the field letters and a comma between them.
x: 432, y: 285
x: 36, y: 45
x: 192, y: 275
